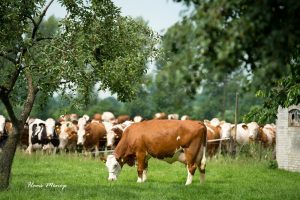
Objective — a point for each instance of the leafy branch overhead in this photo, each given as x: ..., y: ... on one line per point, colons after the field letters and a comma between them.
x: 260, y: 37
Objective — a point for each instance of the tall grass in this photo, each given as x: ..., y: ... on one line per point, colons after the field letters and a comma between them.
x: 86, y: 178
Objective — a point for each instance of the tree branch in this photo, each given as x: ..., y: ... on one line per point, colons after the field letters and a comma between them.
x: 9, y: 108
x: 31, y: 95
x: 36, y: 26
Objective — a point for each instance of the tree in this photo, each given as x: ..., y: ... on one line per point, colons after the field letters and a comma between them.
x: 260, y: 37
x: 93, y: 44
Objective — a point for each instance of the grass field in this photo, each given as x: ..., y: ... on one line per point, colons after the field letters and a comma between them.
x: 86, y: 178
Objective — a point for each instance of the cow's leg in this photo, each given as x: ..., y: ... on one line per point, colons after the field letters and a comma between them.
x: 191, y: 168
x: 29, y: 149
x: 140, y: 157
x: 96, y: 151
x: 202, y: 165
x: 146, y: 168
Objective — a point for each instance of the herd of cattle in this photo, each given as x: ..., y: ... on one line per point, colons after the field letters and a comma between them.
x: 104, y: 131
x: 135, y: 140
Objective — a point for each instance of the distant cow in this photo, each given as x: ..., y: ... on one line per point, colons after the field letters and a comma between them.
x: 169, y: 140
x: 68, y: 136
x: 245, y: 133
x: 137, y: 118
x: 42, y: 135
x: 267, y: 136
x: 173, y: 116
x: 185, y: 117
x: 108, y: 117
x: 161, y: 115
x: 94, y: 133
x: 213, y: 133
x: 123, y: 118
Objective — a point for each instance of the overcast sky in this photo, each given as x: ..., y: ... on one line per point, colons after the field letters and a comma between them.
x: 160, y: 14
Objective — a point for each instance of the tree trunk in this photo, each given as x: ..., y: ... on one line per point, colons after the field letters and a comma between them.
x: 6, y: 158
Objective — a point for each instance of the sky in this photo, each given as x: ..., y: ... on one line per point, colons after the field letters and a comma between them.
x: 160, y: 14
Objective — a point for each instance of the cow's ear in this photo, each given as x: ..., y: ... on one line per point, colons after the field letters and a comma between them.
x: 245, y: 126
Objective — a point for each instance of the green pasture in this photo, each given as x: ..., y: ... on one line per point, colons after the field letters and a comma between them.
x: 86, y: 178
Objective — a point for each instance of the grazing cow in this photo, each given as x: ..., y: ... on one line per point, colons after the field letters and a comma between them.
x: 161, y: 115
x: 173, y: 116
x: 185, y: 117
x: 68, y: 136
x: 137, y: 119
x: 123, y: 118
x: 213, y: 133
x: 169, y: 140
x: 94, y: 133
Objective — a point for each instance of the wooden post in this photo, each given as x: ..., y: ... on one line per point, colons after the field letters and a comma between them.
x: 233, y: 139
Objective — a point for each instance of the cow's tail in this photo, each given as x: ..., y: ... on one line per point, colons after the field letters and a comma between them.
x: 203, y: 152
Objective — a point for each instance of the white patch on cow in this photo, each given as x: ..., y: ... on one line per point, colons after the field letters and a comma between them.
x: 203, y: 160
x: 139, y: 180
x: 2, y: 124
x: 184, y: 117
x: 178, y: 138
x: 225, y: 130
x: 110, y: 134
x: 189, y: 177
x: 50, y: 126
x: 113, y: 167
x: 81, y: 131
x: 137, y: 119
x: 144, y: 175
x: 215, y: 122
x: 108, y: 117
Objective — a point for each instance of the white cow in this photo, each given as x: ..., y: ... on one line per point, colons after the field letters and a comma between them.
x: 36, y: 129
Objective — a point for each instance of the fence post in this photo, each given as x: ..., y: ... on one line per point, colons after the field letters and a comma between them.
x: 233, y: 139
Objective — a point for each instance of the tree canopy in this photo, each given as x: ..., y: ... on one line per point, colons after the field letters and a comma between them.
x: 261, y: 37
x: 92, y: 44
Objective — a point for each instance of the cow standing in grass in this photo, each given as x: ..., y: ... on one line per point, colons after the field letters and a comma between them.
x: 169, y: 140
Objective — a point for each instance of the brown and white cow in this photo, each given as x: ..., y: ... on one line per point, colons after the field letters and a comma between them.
x: 267, y: 135
x: 94, y: 134
x: 169, y: 140
x: 123, y: 118
x: 68, y: 136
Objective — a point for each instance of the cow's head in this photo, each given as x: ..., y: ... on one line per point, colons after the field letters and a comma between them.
x: 114, y: 168
x: 50, y: 127
x: 81, y: 131
x: 253, y: 130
